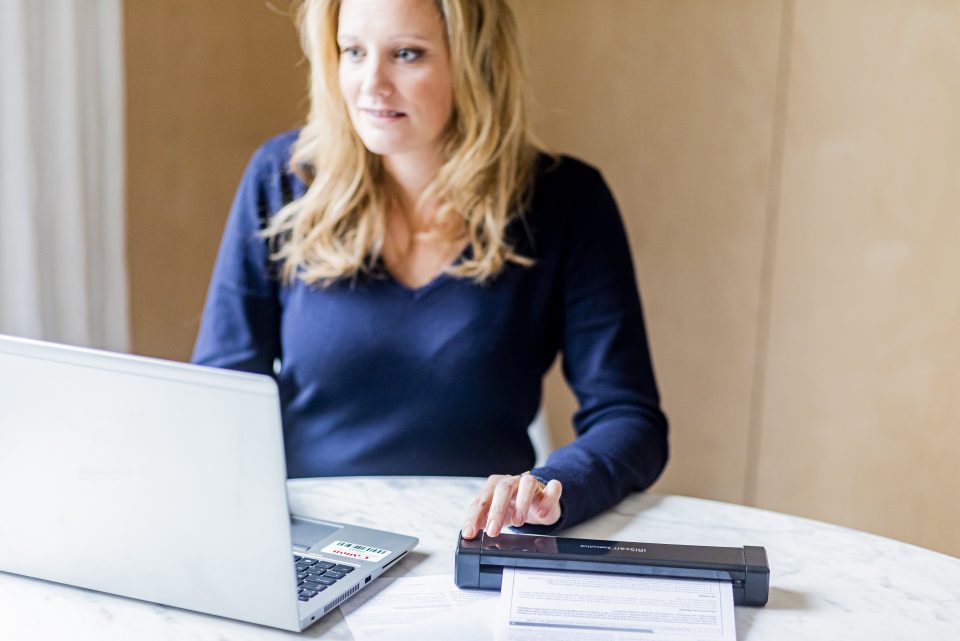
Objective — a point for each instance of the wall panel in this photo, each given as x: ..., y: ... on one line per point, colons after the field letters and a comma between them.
x: 206, y: 83
x: 861, y: 420
x: 674, y: 101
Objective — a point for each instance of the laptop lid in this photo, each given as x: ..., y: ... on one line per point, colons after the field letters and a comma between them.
x: 155, y: 480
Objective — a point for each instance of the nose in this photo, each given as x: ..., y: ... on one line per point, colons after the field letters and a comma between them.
x: 376, y: 77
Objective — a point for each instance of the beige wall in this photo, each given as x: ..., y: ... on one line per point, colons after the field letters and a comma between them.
x: 207, y: 82
x: 860, y: 401
x: 789, y: 174
x: 684, y: 136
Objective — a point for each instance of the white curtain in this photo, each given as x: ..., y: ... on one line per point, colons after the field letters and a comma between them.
x: 62, y: 271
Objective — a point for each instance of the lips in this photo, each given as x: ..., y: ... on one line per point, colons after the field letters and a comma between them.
x: 383, y: 113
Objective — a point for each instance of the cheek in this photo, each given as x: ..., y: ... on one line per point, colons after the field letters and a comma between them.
x: 439, y: 97
x: 347, y: 85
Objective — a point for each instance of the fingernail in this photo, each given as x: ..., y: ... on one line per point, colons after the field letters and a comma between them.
x: 518, y: 518
x: 492, y: 527
x: 468, y: 532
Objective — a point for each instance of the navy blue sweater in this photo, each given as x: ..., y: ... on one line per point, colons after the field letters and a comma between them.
x: 377, y: 378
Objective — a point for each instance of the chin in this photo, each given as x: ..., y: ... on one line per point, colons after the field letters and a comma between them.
x: 377, y: 145
x: 379, y: 148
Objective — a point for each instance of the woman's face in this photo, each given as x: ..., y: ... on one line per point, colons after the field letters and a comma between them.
x: 395, y: 75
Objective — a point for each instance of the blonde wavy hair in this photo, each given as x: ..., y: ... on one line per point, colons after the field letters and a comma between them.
x: 338, y: 227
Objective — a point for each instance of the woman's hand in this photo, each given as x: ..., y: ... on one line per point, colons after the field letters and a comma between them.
x: 512, y: 500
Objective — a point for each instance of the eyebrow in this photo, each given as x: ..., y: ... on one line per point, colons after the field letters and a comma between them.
x: 402, y: 36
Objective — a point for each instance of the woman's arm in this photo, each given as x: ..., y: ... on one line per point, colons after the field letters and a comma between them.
x: 621, y: 443
x: 240, y: 325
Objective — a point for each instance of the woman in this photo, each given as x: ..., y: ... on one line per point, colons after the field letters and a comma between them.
x: 409, y: 264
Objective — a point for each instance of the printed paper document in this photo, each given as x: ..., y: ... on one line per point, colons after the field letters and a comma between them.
x: 558, y: 606
x: 421, y: 608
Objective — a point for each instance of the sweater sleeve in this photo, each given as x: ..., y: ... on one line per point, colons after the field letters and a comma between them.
x: 621, y: 443
x: 240, y: 325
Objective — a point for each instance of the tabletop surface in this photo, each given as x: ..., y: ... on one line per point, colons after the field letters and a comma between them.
x: 826, y: 581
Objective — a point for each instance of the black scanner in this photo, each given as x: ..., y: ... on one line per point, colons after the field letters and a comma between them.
x: 480, y: 561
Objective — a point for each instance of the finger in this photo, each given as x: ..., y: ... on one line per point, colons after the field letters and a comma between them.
x: 503, y: 494
x: 528, y: 488
x: 547, y: 504
x: 477, y: 514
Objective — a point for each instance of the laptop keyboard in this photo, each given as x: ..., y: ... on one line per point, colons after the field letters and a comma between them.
x: 314, y: 576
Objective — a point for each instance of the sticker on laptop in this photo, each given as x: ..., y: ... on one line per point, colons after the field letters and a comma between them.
x: 355, y: 551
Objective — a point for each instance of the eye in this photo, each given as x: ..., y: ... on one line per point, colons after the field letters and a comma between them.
x: 351, y: 53
x: 409, y: 54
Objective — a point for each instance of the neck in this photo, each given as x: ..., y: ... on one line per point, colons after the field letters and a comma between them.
x: 411, y: 173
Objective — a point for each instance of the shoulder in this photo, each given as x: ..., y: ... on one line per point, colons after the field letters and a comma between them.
x: 572, y: 207
x: 566, y: 175
x: 569, y: 192
x: 273, y: 156
x: 269, y: 177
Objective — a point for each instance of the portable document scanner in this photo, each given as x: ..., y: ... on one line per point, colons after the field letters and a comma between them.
x: 480, y: 561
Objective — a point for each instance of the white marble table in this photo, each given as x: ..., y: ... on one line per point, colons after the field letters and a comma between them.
x: 826, y: 582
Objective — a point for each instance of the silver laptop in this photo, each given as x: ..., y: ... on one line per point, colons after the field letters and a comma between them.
x: 165, y: 482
